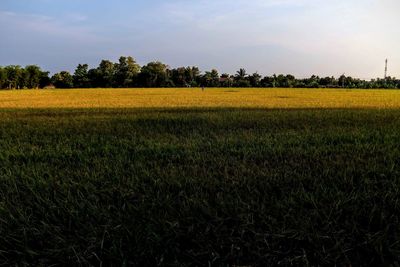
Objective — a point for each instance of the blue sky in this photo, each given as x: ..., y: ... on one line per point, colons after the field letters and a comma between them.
x: 302, y: 37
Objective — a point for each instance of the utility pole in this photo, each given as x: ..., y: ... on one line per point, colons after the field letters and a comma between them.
x: 386, y: 68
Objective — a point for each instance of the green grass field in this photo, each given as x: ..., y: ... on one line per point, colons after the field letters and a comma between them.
x: 199, y: 186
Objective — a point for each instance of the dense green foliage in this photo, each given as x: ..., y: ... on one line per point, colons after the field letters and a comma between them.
x: 200, y: 187
x: 63, y: 80
x: 15, y: 77
x: 127, y: 73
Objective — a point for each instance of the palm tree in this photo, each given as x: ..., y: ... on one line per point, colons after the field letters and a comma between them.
x: 241, y: 74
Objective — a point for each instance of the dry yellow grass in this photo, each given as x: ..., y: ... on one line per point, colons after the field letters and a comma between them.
x: 194, y: 97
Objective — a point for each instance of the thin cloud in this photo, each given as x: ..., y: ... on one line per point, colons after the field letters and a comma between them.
x: 51, y: 26
x: 302, y: 37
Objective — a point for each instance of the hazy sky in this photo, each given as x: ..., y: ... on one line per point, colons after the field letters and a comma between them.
x: 302, y: 37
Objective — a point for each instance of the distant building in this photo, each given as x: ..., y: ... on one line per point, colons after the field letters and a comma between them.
x: 50, y: 86
x: 224, y: 79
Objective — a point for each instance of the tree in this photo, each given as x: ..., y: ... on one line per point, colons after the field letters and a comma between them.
x: 95, y: 78
x: 241, y: 74
x: 241, y: 79
x: 327, y: 82
x: 63, y: 79
x: 226, y: 80
x: 313, y: 82
x: 243, y: 83
x: 290, y: 81
x: 192, y: 75
x: 33, y: 76
x: 14, y: 76
x: 179, y: 78
x: 185, y: 77
x: 255, y: 79
x: 81, y: 76
x: 126, y: 72
x: 342, y: 81
x: 3, y: 77
x: 154, y: 74
x: 44, y: 79
x: 268, y: 81
x: 280, y: 81
x: 211, y: 78
x: 105, y: 74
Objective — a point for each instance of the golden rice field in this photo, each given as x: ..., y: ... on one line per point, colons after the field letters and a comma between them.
x: 194, y: 97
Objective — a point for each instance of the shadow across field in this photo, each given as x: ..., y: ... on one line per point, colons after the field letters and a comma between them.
x: 199, y: 187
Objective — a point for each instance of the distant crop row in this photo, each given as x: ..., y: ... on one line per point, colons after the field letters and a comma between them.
x: 127, y: 73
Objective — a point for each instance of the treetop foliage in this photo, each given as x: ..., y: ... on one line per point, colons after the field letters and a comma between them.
x: 128, y: 73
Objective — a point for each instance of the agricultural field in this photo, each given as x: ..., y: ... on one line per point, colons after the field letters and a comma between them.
x: 195, y: 98
x: 181, y: 177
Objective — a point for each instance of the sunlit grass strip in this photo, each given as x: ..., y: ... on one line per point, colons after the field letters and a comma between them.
x: 194, y: 97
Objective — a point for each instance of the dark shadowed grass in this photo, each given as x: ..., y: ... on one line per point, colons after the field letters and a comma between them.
x: 194, y: 187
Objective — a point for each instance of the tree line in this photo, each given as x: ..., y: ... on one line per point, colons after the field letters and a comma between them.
x: 128, y: 73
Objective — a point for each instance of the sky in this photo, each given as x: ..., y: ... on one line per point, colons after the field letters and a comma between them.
x: 300, y: 37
